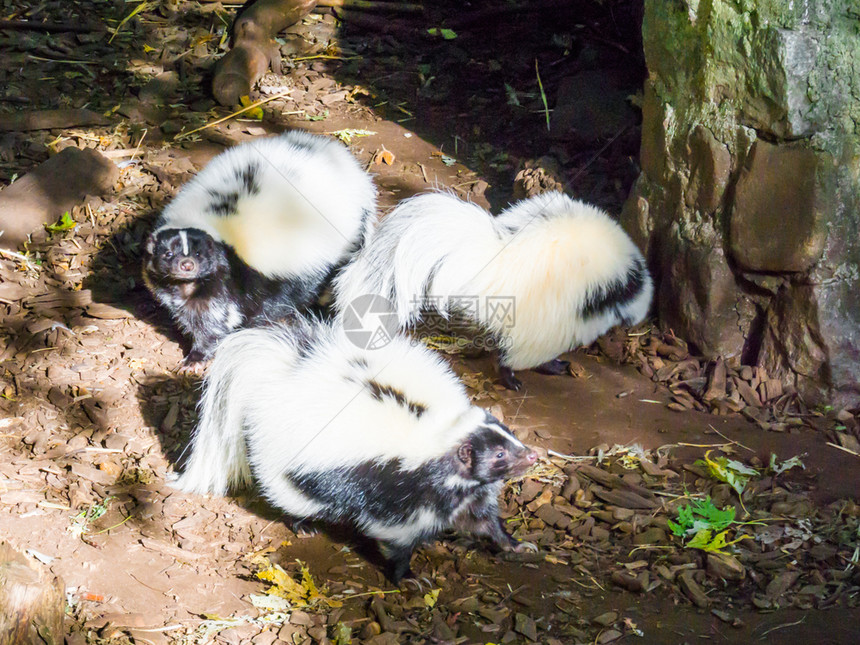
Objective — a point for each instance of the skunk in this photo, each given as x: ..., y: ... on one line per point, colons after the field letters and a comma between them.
x: 383, y: 441
x: 257, y: 233
x: 548, y: 274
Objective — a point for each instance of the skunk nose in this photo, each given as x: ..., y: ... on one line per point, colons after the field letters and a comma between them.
x: 531, y: 457
x: 188, y: 265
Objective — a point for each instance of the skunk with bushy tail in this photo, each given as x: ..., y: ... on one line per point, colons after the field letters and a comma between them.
x: 384, y: 441
x: 256, y: 234
x: 545, y: 276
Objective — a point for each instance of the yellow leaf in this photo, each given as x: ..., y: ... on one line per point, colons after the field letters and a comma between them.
x: 431, y: 597
x: 254, y: 113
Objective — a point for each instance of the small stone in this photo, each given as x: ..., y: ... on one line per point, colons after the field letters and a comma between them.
x: 624, y: 498
x: 317, y: 633
x: 599, y: 533
x: 726, y: 567
x: 370, y: 630
x: 525, y: 626
x: 116, y: 441
x: 465, y: 605
x: 609, y: 635
x: 531, y: 489
x: 571, y: 486
x: 495, y: 616
x: 781, y: 583
x: 605, y: 620
x: 301, y: 618
x: 621, y: 514
x: 625, y: 580
x: 441, y: 630
x: 59, y: 399
x: 106, y: 312
x: 692, y: 589
x: 653, y: 535
x: 724, y: 616
x: 552, y: 516
x: 264, y: 638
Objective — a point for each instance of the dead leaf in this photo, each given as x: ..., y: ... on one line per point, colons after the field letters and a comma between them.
x: 383, y: 157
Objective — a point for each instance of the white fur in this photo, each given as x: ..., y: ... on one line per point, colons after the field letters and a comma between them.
x: 547, y: 252
x: 310, y: 410
x: 422, y: 521
x: 309, y: 213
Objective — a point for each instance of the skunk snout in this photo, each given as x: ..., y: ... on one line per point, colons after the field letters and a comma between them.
x: 187, y: 265
x: 523, y: 462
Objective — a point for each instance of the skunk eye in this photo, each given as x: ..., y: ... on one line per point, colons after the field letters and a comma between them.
x: 168, y: 255
x: 500, y: 454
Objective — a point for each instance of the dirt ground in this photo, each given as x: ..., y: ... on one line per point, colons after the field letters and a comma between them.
x: 94, y: 416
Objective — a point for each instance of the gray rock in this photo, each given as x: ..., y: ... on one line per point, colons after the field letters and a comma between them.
x: 748, y: 204
x: 776, y: 224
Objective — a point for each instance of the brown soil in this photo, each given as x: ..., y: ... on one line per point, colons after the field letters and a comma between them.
x: 94, y: 415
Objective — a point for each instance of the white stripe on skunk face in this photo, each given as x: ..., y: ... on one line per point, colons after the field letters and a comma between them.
x: 494, y: 424
x: 184, y: 237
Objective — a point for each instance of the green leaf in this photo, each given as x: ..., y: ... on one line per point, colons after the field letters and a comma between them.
x: 701, y: 515
x: 676, y: 529
x: 447, y: 34
x: 732, y: 472
x: 700, y: 540
x: 512, y: 95
x: 347, y: 135
x: 342, y: 634
x: 65, y: 223
x: 780, y: 467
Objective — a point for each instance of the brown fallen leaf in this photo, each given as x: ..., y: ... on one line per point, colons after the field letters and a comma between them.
x: 383, y: 157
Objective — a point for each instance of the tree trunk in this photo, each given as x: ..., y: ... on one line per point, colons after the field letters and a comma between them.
x: 254, y: 46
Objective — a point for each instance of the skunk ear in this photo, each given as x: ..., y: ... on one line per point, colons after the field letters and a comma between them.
x: 464, y: 454
x: 150, y: 245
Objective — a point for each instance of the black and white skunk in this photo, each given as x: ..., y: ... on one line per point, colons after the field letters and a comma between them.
x: 384, y: 441
x: 547, y: 275
x: 256, y: 234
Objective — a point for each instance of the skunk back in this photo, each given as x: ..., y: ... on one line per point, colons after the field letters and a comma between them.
x: 344, y: 405
x: 546, y: 275
x: 291, y: 205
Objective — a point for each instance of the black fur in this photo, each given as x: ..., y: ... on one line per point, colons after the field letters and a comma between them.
x: 224, y: 203
x: 461, y: 488
x: 618, y: 292
x: 379, y: 391
x: 210, y: 292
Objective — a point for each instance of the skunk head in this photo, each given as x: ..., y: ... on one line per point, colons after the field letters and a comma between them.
x: 492, y: 453
x: 182, y: 254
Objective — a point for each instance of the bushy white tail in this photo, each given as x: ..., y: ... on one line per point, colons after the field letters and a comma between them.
x: 420, y: 255
x: 548, y: 274
x: 218, y: 459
